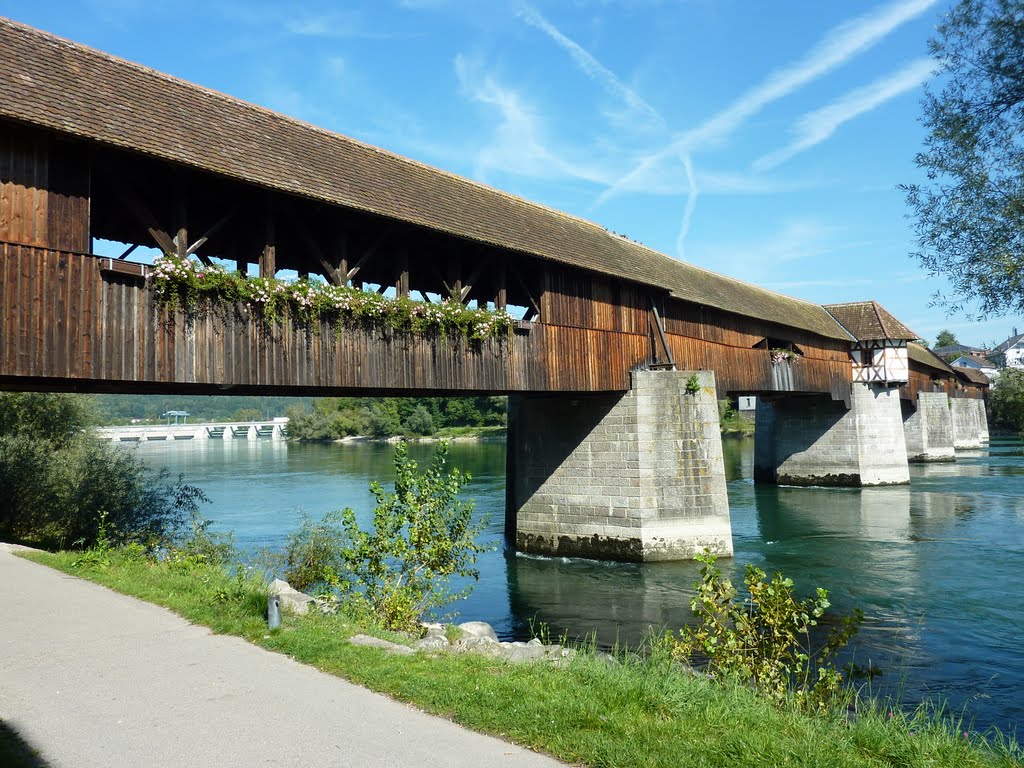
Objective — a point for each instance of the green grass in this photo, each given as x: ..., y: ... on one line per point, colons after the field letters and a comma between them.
x: 634, y: 714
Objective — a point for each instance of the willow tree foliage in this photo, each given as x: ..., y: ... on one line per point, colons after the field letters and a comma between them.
x: 969, y: 214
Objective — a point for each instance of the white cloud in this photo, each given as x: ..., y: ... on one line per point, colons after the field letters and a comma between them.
x: 817, y: 126
x: 840, y: 45
x: 335, y: 24
x: 519, y: 145
x: 763, y: 258
x: 593, y: 68
x: 691, y: 204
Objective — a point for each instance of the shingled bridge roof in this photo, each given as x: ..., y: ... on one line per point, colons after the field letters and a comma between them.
x: 926, y: 357
x: 869, y: 321
x: 972, y: 375
x: 66, y: 87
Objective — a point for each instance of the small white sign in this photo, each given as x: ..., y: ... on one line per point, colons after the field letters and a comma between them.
x: 748, y: 403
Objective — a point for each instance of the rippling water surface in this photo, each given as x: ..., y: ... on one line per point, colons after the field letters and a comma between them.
x: 936, y: 566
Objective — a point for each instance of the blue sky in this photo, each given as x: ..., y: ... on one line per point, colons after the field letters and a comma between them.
x: 760, y: 140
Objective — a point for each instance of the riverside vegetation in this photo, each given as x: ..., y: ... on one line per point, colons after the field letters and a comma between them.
x: 765, y: 698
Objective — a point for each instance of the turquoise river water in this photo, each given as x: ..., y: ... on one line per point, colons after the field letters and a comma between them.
x: 937, y: 566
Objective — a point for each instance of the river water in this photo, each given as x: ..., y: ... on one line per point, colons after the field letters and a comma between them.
x: 936, y: 566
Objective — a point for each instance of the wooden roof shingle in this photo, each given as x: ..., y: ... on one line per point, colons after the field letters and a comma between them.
x: 869, y: 321
x: 972, y: 375
x: 73, y: 89
x: 927, y: 358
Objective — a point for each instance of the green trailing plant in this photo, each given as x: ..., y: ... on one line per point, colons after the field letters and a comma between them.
x: 420, y: 538
x: 181, y: 282
x: 765, y: 640
x: 692, y: 385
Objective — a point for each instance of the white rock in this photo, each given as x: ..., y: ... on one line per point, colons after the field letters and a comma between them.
x: 291, y: 598
x: 376, y: 642
x: 478, y: 629
x: 431, y: 643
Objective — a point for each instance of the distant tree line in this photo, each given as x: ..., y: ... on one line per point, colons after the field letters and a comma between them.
x: 336, y: 417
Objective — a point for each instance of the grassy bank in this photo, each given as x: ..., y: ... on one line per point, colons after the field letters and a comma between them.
x: 641, y: 713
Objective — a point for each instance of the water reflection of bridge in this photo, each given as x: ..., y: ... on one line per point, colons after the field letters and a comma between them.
x: 819, y: 535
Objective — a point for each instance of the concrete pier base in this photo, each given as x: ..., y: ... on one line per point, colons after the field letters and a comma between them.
x: 982, y: 420
x: 966, y: 424
x: 634, y: 477
x: 928, y: 428
x: 813, y: 440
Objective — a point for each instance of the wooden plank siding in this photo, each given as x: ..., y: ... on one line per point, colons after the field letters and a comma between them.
x: 44, y: 190
x: 734, y: 347
x: 69, y: 322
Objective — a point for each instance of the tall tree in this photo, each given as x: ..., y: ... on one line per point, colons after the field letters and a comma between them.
x: 946, y: 338
x: 970, y: 212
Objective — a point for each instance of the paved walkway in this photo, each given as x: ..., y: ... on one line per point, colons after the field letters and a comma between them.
x: 93, y: 678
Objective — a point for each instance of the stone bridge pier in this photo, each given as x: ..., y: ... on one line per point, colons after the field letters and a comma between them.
x: 812, y: 440
x: 928, y: 428
x: 969, y: 419
x: 637, y: 476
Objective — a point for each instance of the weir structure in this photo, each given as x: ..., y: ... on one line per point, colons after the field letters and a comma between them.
x: 613, y: 372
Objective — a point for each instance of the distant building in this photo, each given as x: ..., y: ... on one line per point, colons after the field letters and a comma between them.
x: 176, y: 415
x: 1010, y: 354
x: 955, y: 349
x: 977, y: 363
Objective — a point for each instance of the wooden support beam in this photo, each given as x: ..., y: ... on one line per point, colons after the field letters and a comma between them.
x: 455, y: 275
x: 659, y: 327
x: 424, y: 296
x: 268, y: 258
x: 181, y: 214
x: 339, y: 253
x: 464, y: 291
x: 402, y: 282
x: 501, y: 281
x: 440, y: 277
x: 128, y: 251
x: 331, y: 271
x: 365, y: 257
x: 529, y: 296
x: 131, y: 200
x: 212, y: 230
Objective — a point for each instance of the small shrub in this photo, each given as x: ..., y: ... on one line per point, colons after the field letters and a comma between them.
x: 420, y: 538
x: 765, y: 640
x: 692, y: 385
x: 200, y: 546
x: 313, y: 553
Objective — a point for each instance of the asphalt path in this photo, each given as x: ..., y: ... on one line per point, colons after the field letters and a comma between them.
x: 90, y: 677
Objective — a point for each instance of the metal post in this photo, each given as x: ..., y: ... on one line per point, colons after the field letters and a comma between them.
x: 273, y: 611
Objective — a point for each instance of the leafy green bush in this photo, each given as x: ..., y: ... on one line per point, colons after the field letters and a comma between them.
x: 56, y: 480
x: 313, y: 553
x: 1006, y: 404
x: 196, y: 545
x: 765, y: 640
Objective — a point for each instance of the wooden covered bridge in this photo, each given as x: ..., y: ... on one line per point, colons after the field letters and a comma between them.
x: 93, y: 147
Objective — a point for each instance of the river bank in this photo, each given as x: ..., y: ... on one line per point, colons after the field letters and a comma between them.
x: 637, y: 713
x: 920, y: 560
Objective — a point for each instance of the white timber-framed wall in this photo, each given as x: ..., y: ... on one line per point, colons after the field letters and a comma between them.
x: 880, y: 361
